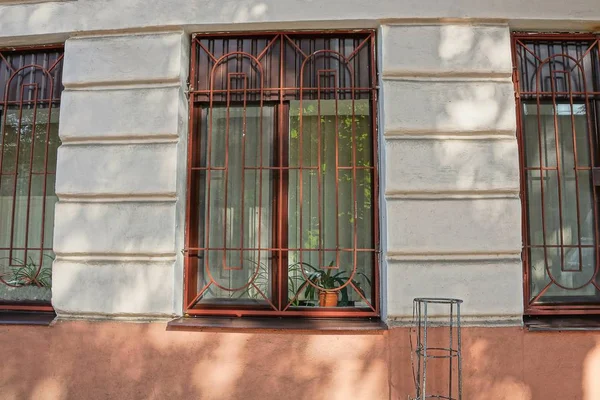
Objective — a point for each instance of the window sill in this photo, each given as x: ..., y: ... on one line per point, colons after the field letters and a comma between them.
x: 562, y: 323
x: 280, y: 325
x: 35, y: 318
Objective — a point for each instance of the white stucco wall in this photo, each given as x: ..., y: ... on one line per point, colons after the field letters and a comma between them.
x: 451, y: 187
x: 119, y: 220
x: 450, y: 207
x: 25, y: 22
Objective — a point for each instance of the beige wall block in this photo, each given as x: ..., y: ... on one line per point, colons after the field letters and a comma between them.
x: 112, y: 287
x: 448, y: 106
x: 117, y: 59
x: 489, y: 289
x: 117, y: 169
x: 451, y: 165
x: 454, y: 225
x: 115, y: 228
x: 454, y: 49
x: 126, y: 113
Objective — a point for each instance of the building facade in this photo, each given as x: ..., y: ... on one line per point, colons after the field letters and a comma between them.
x: 224, y: 200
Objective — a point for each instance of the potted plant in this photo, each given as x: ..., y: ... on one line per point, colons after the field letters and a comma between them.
x: 328, y: 283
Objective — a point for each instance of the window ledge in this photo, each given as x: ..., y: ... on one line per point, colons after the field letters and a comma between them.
x: 280, y: 325
x: 26, y: 318
x: 562, y: 323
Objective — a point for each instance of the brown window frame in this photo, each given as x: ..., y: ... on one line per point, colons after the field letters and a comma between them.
x: 278, y: 96
x: 537, y: 90
x: 44, y: 88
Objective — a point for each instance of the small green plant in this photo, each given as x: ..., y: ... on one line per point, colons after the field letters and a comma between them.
x: 263, y: 279
x: 326, y: 279
x: 30, y: 274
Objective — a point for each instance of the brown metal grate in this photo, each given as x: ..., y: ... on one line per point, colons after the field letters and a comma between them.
x: 30, y: 87
x: 282, y: 199
x: 557, y: 83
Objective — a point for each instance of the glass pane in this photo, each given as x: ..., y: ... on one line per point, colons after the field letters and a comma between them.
x: 560, y: 203
x: 330, y: 197
x: 27, y: 203
x: 236, y: 205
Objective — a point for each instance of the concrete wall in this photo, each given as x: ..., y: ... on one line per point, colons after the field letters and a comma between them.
x: 449, y: 163
x: 451, y: 192
x: 450, y: 207
x: 22, y: 22
x: 118, y: 225
x: 112, y: 360
x: 450, y: 172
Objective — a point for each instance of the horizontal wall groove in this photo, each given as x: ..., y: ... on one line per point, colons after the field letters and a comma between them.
x: 507, y: 255
x: 154, y: 30
x: 465, y: 320
x: 447, y: 76
x: 142, y: 318
x: 101, y: 86
x: 498, y: 22
x: 118, y: 140
x: 115, y: 258
x: 30, y: 2
x: 125, y: 84
x: 509, y: 193
x: 117, y: 198
x: 412, y: 134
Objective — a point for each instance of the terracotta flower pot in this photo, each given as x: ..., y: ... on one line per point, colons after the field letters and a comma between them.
x: 328, y: 299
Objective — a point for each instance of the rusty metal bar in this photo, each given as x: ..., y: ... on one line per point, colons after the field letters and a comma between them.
x: 190, y: 273
x: 31, y: 159
x: 558, y: 162
x: 16, y: 182
x: 280, y: 204
x: 337, y: 171
x: 224, y: 263
x: 575, y: 164
x: 320, y: 189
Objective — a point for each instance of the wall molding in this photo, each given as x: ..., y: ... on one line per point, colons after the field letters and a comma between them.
x: 509, y: 193
x: 116, y: 257
x: 446, y: 76
x: 119, y: 140
x: 498, y: 22
x: 414, y: 134
x: 19, y: 2
x: 499, y: 255
x: 488, y: 321
x: 117, y: 198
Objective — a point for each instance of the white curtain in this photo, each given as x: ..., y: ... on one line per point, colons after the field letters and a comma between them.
x: 239, y: 206
x: 571, y: 126
x: 328, y: 213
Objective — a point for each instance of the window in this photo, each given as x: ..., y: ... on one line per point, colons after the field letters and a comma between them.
x: 558, y: 95
x: 30, y: 83
x: 282, y: 195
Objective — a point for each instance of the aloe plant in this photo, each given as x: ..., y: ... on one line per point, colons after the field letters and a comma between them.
x: 326, y: 279
x: 30, y: 274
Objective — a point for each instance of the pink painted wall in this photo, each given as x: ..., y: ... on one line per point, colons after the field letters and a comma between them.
x: 117, y: 360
